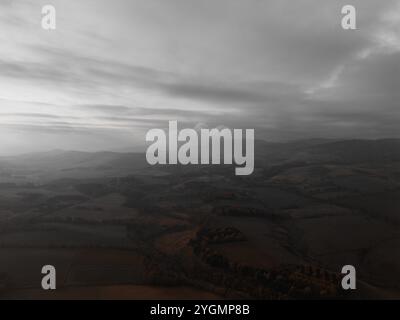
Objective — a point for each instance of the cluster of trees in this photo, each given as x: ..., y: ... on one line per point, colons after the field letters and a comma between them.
x: 221, y: 235
x: 285, y: 282
x: 234, y: 211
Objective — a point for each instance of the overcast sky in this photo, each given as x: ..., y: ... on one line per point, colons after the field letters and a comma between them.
x: 114, y: 69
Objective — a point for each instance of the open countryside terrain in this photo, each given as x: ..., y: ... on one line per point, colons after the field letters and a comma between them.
x: 115, y: 227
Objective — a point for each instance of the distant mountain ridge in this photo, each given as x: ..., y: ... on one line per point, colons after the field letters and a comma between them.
x: 345, y: 151
x: 361, y: 150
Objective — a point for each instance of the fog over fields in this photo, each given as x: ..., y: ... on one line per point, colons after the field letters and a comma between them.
x: 77, y: 192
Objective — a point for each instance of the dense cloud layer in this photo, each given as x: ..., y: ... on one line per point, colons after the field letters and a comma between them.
x: 114, y: 69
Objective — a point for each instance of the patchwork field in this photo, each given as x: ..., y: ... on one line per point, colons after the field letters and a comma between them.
x: 117, y: 230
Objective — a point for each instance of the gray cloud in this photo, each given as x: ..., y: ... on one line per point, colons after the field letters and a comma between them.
x: 117, y: 69
x: 94, y: 72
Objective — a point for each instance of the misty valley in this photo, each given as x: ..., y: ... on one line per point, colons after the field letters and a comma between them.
x: 116, y: 227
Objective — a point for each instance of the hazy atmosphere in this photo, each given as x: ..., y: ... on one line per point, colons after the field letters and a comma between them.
x: 114, y: 69
x: 299, y: 200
